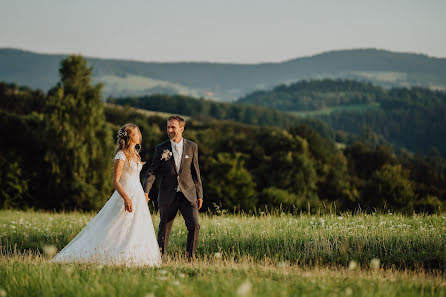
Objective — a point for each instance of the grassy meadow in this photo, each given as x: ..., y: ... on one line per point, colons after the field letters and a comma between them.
x: 239, y: 255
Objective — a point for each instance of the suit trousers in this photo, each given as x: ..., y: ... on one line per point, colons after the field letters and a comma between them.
x: 189, y: 211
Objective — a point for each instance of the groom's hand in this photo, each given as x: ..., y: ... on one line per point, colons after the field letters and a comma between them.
x: 200, y: 203
x: 147, y: 197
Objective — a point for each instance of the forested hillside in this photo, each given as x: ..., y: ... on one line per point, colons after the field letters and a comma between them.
x: 60, y: 148
x: 228, y: 82
x: 191, y: 106
x: 412, y: 118
x: 316, y: 94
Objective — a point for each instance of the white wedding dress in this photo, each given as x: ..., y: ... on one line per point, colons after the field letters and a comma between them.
x: 115, y: 236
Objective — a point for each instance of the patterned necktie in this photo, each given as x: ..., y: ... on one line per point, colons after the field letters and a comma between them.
x: 177, y: 157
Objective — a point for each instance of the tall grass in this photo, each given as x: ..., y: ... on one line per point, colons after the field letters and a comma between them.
x: 31, y: 275
x: 400, y: 242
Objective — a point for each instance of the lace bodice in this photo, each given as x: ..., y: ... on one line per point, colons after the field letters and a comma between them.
x: 131, y: 168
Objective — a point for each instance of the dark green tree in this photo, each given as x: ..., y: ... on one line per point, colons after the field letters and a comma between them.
x: 391, y: 188
x: 14, y: 183
x: 80, y: 144
x: 230, y: 184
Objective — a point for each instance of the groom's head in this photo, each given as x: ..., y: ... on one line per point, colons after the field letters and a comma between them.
x: 175, y: 127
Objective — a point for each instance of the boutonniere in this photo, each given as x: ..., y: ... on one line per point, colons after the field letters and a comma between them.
x: 166, y: 155
x: 187, y: 157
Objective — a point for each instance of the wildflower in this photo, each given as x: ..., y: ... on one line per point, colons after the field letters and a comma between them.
x: 217, y: 255
x: 348, y: 291
x: 244, y: 289
x: 282, y: 264
x: 352, y: 265
x: 2, y: 293
x: 50, y: 250
x: 374, y: 263
x: 68, y: 270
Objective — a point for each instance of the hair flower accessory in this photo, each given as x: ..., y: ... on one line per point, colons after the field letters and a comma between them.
x: 166, y: 155
x: 122, y: 134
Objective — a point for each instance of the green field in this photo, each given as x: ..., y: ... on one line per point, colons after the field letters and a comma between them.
x: 240, y: 255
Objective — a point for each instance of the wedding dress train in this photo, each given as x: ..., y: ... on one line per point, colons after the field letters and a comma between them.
x: 115, y: 236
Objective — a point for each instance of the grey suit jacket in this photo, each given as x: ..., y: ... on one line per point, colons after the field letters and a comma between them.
x: 188, y: 178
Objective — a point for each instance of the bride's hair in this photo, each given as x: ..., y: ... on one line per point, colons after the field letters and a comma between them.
x: 123, y: 139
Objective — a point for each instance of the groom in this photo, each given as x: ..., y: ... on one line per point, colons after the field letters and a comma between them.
x: 176, y: 161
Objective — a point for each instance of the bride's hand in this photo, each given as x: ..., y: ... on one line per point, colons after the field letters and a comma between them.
x: 128, y: 205
x: 147, y: 197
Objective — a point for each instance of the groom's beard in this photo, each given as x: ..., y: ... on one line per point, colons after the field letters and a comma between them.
x: 172, y: 135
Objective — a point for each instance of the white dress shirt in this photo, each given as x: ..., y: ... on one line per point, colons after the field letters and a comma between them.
x: 177, y: 149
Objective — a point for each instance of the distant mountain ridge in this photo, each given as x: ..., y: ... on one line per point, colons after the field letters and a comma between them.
x: 228, y: 82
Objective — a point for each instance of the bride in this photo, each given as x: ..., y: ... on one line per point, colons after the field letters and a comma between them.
x: 122, y: 232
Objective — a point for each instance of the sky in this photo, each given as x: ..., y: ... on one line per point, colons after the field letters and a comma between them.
x: 225, y: 31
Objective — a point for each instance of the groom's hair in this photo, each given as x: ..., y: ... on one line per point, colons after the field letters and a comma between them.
x: 180, y: 120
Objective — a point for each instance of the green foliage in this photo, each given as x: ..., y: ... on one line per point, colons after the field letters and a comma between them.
x: 14, y: 184
x: 391, y: 188
x: 315, y: 94
x: 22, y: 168
x: 79, y: 141
x: 191, y: 106
x: 59, y: 151
x: 230, y: 184
x: 20, y: 100
x: 276, y: 198
x: 413, y: 118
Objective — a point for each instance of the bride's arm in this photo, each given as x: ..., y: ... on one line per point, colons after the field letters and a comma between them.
x: 117, y: 170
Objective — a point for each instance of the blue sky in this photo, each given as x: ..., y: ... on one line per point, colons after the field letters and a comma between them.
x: 243, y: 31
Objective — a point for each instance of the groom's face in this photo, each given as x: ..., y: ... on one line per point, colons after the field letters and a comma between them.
x: 174, y: 130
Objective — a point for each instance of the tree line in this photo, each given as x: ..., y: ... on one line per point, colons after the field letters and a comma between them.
x: 199, y: 107
x: 315, y: 94
x: 59, y: 152
x: 412, y: 118
x: 408, y: 118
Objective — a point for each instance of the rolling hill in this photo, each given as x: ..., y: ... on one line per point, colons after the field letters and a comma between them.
x: 228, y: 82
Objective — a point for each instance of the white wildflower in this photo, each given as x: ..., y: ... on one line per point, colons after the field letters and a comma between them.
x: 374, y: 263
x: 244, y: 289
x: 352, y: 265
x: 50, y: 250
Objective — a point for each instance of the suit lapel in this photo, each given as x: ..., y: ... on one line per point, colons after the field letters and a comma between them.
x: 185, y: 147
x: 172, y: 158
